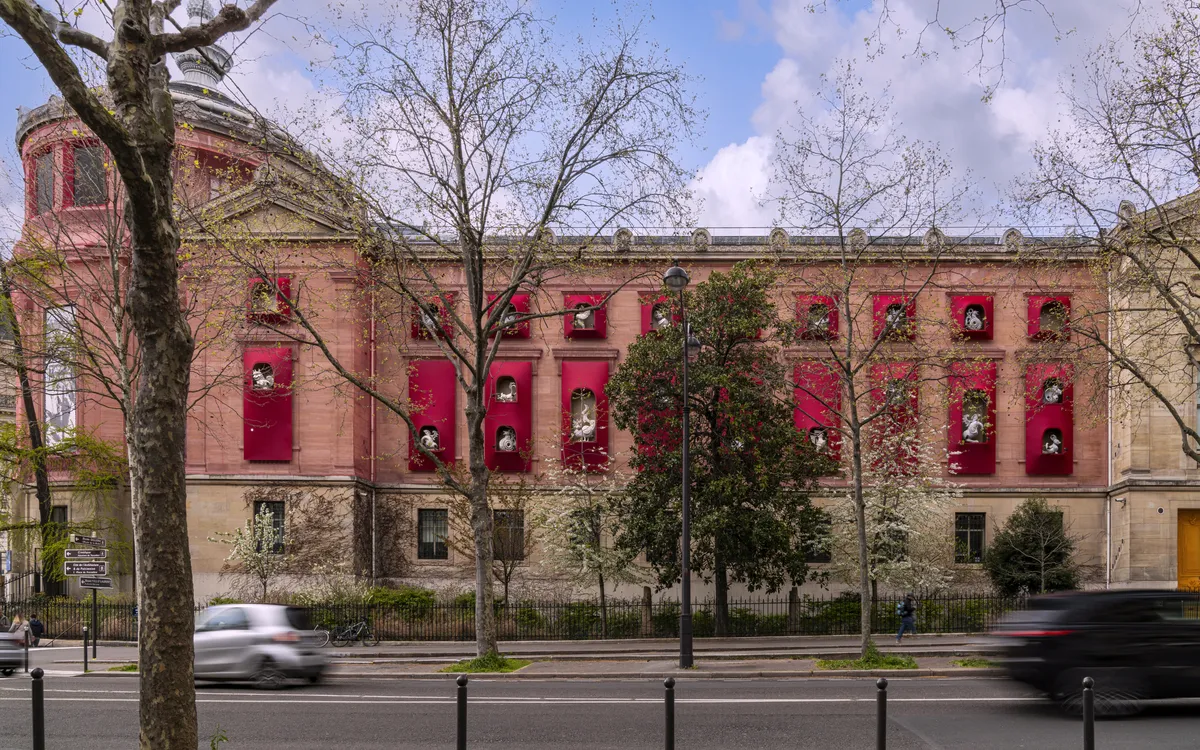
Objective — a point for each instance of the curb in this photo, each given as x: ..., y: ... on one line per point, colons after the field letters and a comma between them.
x: 629, y: 655
x: 825, y: 674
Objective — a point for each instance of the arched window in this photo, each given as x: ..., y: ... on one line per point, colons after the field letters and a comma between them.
x: 974, y: 318
x: 583, y: 416
x: 506, y: 390
x: 585, y: 319
x: 262, y: 377
x: 975, y: 417
x: 506, y: 439
x: 818, y: 319
x: 1052, y: 391
x: 1052, y: 319
x: 1052, y: 442
x: 660, y: 317
x: 430, y: 439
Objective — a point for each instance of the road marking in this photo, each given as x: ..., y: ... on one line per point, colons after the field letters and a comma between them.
x: 432, y: 700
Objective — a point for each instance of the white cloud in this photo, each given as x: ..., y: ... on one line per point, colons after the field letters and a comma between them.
x: 938, y: 96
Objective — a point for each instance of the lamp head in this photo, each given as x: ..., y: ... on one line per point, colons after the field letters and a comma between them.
x: 676, y: 278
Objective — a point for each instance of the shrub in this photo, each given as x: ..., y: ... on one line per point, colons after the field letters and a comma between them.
x: 624, y: 624
x: 528, y: 618
x: 666, y: 620
x: 218, y: 600
x: 409, y: 602
x: 1033, y: 553
x: 579, y: 620
x: 704, y: 624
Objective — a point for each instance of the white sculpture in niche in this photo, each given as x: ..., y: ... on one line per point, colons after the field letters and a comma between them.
x: 736, y: 444
x: 265, y: 301
x: 585, y: 319
x: 262, y: 377
x: 428, y: 323
x: 973, y: 318
x: 896, y: 392
x: 583, y: 416
x: 430, y: 440
x: 1052, y: 443
x: 1052, y: 392
x: 896, y: 317
x: 818, y: 319
x: 974, y: 417
x: 506, y: 440
x: 1053, y: 317
x: 819, y: 437
x: 510, y: 317
x: 660, y: 317
x: 506, y: 390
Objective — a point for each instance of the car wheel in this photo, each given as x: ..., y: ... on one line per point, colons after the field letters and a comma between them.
x: 316, y: 679
x: 1115, y: 693
x: 7, y: 672
x: 268, y: 676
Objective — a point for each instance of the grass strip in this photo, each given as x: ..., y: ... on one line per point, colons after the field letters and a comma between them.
x: 874, y: 659
x: 488, y: 663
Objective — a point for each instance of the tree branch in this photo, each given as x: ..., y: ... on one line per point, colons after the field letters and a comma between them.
x: 229, y: 19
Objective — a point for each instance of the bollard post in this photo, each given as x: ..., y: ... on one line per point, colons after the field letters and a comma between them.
x: 462, y: 712
x: 669, y: 700
x: 95, y: 623
x: 85, y: 662
x: 39, y: 712
x: 26, y: 641
x: 881, y: 714
x: 1089, y: 715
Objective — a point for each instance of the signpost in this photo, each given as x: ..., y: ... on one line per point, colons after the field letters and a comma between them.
x: 88, y: 541
x: 91, y: 565
x: 85, y: 554
x: 85, y: 568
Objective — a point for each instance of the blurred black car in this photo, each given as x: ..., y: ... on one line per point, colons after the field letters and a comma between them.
x: 1136, y: 645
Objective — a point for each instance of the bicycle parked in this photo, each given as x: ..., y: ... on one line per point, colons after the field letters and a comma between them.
x: 359, y: 631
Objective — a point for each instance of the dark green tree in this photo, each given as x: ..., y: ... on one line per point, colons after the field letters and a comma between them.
x: 1033, y: 553
x: 753, y: 521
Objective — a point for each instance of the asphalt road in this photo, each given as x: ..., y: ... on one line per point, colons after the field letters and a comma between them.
x: 101, y: 713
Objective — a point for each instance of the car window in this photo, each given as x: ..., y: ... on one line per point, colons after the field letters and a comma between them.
x: 1179, y: 607
x: 233, y: 618
x: 1131, y: 611
x: 299, y: 618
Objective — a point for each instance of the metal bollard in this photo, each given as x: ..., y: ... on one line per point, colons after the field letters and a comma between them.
x: 669, y: 700
x: 39, y: 711
x: 881, y: 714
x: 462, y: 712
x: 26, y: 642
x: 1089, y: 715
x: 85, y: 655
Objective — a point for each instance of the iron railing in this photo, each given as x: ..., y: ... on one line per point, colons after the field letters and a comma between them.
x: 573, y: 620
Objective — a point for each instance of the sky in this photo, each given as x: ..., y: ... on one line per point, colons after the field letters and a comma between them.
x: 755, y: 65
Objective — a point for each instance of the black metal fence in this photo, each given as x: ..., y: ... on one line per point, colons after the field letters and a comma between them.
x: 529, y: 620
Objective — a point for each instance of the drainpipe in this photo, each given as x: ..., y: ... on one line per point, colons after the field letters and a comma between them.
x: 1107, y: 541
x: 371, y: 354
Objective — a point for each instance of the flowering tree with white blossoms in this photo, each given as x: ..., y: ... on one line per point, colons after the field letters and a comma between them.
x: 256, y: 552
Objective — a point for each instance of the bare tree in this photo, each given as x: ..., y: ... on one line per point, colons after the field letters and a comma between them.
x: 845, y: 174
x: 476, y: 136
x: 134, y: 118
x: 1124, y: 168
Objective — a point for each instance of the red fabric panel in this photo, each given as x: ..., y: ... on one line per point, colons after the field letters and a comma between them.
x: 882, y: 374
x: 418, y: 331
x: 518, y: 415
x: 283, y: 306
x: 594, y: 377
x: 267, y: 415
x: 1035, y: 316
x: 433, y: 394
x: 958, y: 310
x: 972, y: 457
x: 882, y: 302
x: 803, y: 303
x: 648, y: 300
x: 520, y: 303
x: 1040, y: 417
x: 817, y: 382
x: 600, y: 331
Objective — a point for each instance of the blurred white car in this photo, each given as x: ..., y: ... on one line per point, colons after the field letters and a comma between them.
x: 266, y: 644
x: 12, y: 652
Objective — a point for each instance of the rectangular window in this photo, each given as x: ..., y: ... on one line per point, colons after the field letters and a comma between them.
x: 508, y: 534
x: 817, y: 549
x: 43, y: 183
x: 59, y: 395
x: 91, y: 177
x: 968, y: 537
x: 433, y: 526
x: 275, y: 509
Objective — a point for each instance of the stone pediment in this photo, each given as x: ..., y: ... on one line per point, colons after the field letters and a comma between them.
x: 271, y: 205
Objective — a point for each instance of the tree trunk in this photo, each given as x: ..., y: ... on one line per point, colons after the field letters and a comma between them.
x: 721, y: 576
x: 860, y: 519
x: 481, y: 525
x: 33, y: 426
x: 603, y: 609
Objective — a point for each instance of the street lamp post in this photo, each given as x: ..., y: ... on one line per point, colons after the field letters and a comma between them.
x: 677, y: 279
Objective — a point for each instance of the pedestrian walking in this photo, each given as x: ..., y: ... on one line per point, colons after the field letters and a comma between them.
x: 36, y: 630
x: 907, y: 610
